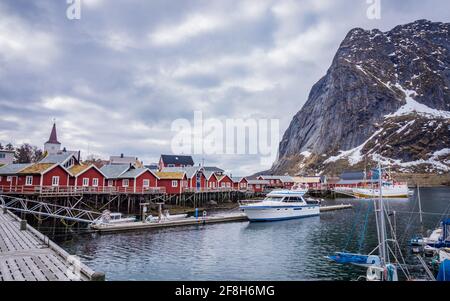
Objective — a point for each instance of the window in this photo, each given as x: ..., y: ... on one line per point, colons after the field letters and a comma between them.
x: 222, y: 184
x: 228, y: 184
x: 258, y: 186
x: 2, y: 156
x: 29, y: 180
x: 55, y: 181
x: 110, y: 183
x: 125, y: 183
x: 174, y: 183
x: 95, y: 182
x: 9, y: 179
x: 85, y: 182
x: 146, y: 183
x: 170, y: 165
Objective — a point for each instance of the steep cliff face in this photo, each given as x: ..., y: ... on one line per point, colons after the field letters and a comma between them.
x: 379, y: 82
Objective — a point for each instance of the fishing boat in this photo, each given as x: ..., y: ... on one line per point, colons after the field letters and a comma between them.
x: 282, y: 205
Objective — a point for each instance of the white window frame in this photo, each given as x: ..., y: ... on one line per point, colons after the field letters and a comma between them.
x: 174, y: 183
x: 55, y: 181
x: 9, y: 179
x: 170, y: 165
x: 28, y: 182
x: 110, y: 183
x: 257, y: 186
x: 228, y: 185
x: 85, y: 182
x: 95, y: 182
x: 146, y: 183
x: 125, y: 183
x: 223, y: 184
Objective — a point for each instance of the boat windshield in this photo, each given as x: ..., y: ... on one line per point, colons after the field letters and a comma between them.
x: 273, y: 199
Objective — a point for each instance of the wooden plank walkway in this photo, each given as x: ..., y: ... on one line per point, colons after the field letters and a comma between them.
x: 28, y: 255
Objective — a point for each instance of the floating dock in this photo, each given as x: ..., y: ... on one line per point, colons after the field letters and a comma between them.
x: 28, y: 255
x: 225, y: 218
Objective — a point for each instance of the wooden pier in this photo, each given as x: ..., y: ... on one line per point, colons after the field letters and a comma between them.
x: 226, y: 218
x: 28, y: 255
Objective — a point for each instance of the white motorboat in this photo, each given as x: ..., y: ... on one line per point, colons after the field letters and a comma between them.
x: 113, y: 218
x: 282, y: 205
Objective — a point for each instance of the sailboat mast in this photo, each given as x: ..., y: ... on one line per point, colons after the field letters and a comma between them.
x: 382, y: 222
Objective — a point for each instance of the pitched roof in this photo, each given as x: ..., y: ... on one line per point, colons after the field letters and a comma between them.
x: 238, y: 179
x: 220, y: 178
x: 281, y: 178
x: 53, y: 137
x: 12, y: 169
x: 208, y: 174
x: 78, y: 169
x: 133, y: 173
x: 170, y: 175
x: 190, y: 171
x: 258, y: 182
x: 213, y: 168
x: 176, y: 159
x: 60, y: 158
x: 114, y: 171
x: 37, y: 168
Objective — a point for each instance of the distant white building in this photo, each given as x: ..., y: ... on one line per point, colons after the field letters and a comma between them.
x: 6, y: 157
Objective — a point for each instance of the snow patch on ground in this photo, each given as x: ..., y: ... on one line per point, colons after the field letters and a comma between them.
x: 306, y: 154
x: 433, y: 161
x: 354, y: 155
x: 412, y: 106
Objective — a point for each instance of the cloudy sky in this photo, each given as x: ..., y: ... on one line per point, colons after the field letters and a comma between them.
x: 116, y: 79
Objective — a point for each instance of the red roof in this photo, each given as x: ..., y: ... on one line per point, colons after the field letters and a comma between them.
x: 53, y: 138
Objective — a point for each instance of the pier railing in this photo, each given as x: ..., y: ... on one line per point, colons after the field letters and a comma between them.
x: 77, y: 190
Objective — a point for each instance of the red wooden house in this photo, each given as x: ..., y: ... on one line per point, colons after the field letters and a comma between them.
x: 258, y: 185
x: 240, y: 183
x: 87, y: 176
x: 172, y: 182
x: 47, y: 176
x: 212, y: 181
x: 225, y: 182
x: 175, y: 161
x: 137, y: 180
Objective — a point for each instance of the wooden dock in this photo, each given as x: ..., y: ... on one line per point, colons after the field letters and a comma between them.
x: 28, y: 255
x: 226, y: 218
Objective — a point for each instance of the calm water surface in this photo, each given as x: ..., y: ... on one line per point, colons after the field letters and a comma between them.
x: 290, y: 250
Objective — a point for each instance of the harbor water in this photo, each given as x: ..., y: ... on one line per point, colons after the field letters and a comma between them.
x: 288, y: 250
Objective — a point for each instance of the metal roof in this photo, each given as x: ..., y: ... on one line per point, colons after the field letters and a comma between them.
x: 58, y: 158
x: 352, y: 182
x: 237, y: 179
x: 213, y: 168
x: 12, y: 169
x: 176, y: 159
x: 258, y: 182
x: 114, y: 171
x: 352, y: 175
x: 133, y: 173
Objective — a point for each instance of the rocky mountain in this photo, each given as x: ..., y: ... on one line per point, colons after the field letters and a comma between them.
x: 385, y: 97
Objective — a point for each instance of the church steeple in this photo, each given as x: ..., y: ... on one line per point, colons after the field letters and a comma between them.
x: 52, y: 146
x: 53, y: 137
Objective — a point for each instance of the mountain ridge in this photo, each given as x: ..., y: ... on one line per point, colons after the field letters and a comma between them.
x: 377, y: 81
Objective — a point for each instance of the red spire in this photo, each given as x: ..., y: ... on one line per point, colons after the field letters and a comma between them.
x: 53, y: 138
